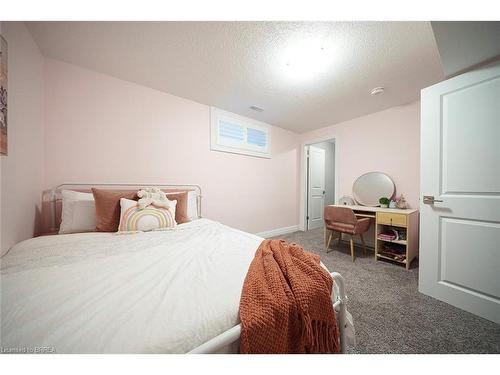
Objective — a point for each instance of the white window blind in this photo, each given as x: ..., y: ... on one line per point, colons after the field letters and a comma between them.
x: 238, y: 134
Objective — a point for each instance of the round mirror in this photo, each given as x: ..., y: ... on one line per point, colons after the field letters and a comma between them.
x: 372, y: 186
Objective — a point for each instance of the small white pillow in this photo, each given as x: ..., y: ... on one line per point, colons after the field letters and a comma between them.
x: 78, y: 212
x: 133, y: 219
x: 192, y: 210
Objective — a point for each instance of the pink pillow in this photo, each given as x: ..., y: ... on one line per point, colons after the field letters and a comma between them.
x: 107, y: 207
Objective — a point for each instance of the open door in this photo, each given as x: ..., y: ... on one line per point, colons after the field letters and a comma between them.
x: 315, y: 187
x: 460, y: 184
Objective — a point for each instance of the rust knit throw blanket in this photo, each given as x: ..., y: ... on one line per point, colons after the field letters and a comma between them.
x: 286, y: 304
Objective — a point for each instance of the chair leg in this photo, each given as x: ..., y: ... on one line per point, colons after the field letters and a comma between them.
x: 328, y: 242
x: 352, y: 249
x: 340, y: 238
x: 363, y: 242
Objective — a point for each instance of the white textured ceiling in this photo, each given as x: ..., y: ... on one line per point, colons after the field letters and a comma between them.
x: 305, y: 75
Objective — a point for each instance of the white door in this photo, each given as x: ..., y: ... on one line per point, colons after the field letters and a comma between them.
x: 460, y: 167
x: 316, y: 187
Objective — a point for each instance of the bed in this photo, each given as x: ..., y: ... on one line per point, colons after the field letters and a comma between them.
x: 151, y: 292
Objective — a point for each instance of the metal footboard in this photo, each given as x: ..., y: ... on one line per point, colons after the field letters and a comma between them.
x: 233, y: 334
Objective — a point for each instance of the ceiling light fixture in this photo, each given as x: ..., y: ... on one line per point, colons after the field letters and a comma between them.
x: 377, y: 90
x: 304, y: 59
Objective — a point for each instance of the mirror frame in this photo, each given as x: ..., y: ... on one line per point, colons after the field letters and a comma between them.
x: 377, y: 203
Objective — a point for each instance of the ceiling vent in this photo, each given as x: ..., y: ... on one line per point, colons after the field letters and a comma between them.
x: 255, y: 108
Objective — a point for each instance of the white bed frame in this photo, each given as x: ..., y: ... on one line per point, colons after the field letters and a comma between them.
x: 53, y: 198
x: 233, y: 334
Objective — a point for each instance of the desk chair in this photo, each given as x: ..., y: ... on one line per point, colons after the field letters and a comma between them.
x: 343, y: 220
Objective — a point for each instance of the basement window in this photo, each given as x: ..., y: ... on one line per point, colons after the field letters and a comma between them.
x: 240, y: 135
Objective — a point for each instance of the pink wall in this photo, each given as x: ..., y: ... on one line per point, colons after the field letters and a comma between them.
x: 386, y: 141
x: 102, y: 129
x: 95, y: 128
x: 22, y: 169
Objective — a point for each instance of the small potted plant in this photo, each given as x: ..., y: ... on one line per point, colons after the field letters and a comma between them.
x: 384, y: 202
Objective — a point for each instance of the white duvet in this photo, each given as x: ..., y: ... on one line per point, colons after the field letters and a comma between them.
x: 155, y: 292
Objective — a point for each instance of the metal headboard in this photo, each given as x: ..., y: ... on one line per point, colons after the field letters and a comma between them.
x: 52, y: 198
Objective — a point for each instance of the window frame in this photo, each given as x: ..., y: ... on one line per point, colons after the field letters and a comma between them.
x: 217, y: 115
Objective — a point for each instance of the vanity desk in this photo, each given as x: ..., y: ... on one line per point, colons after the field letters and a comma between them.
x: 404, y: 220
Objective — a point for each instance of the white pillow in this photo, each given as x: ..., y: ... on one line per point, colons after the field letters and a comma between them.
x: 192, y: 210
x: 133, y: 219
x: 78, y: 212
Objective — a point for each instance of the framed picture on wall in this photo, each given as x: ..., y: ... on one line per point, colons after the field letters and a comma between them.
x: 3, y: 96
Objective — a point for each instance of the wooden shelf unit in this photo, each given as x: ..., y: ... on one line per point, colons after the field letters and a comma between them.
x: 407, y: 220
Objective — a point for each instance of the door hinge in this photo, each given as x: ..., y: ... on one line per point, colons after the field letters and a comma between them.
x: 307, y: 217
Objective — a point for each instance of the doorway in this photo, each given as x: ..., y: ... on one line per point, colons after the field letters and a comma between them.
x: 320, y: 181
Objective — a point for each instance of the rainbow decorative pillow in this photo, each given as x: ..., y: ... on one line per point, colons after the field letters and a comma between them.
x: 133, y: 218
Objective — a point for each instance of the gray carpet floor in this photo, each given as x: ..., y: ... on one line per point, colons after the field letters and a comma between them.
x: 390, y: 315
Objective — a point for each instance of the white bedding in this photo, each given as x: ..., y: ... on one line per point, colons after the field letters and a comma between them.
x: 155, y: 292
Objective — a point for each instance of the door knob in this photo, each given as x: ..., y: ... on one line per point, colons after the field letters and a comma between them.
x: 429, y: 199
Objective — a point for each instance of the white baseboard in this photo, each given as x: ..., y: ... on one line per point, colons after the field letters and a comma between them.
x: 278, y: 231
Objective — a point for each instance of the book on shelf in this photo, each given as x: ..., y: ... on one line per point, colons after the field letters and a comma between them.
x: 391, y: 234
x: 387, y: 237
